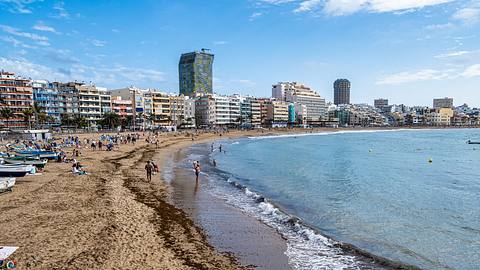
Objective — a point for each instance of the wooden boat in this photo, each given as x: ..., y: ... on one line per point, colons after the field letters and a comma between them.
x: 39, y: 163
x: 470, y: 142
x: 37, y: 153
x: 13, y: 170
x: 6, y: 184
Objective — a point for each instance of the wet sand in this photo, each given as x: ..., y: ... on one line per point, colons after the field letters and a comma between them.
x: 228, y: 229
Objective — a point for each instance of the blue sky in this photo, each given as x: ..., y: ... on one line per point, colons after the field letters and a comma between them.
x: 409, y: 51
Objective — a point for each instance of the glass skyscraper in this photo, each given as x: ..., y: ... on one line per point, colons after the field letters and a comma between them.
x: 195, y: 73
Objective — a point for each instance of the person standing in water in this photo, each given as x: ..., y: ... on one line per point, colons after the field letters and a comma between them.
x: 197, y: 170
x: 149, y: 169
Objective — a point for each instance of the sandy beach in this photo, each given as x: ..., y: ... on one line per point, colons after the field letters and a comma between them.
x: 111, y: 218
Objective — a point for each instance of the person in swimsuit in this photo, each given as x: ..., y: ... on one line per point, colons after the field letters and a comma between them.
x: 149, y: 169
x: 197, y: 170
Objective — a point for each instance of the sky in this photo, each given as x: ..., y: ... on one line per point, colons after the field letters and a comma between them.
x: 409, y: 51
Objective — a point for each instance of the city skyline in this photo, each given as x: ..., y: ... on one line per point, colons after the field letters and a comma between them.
x: 430, y: 45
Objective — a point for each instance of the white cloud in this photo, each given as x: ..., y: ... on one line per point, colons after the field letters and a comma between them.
x: 97, y: 43
x: 19, y: 6
x: 307, y: 5
x: 277, y: 2
x: 346, y: 7
x: 468, y: 15
x: 452, y: 54
x: 16, y: 42
x: 415, y: 76
x: 472, y: 71
x: 24, y: 67
x: 115, y: 75
x: 343, y: 7
x: 442, y: 26
x: 430, y: 75
x: 40, y: 40
x: 40, y: 26
x: 255, y: 15
x: 399, y: 5
x: 60, y: 10
x: 220, y: 42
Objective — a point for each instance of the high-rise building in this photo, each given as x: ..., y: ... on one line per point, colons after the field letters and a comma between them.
x: 195, y: 73
x: 301, y: 94
x: 380, y: 103
x: 443, y: 103
x: 341, y: 91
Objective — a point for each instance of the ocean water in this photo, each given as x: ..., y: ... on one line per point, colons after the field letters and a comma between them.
x: 377, y: 191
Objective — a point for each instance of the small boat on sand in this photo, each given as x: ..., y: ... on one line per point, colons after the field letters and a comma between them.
x: 471, y: 142
x: 37, y: 153
x: 13, y: 170
x: 37, y: 162
x: 6, y: 184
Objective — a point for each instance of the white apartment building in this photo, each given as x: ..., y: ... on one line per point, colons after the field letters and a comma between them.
x: 93, y: 102
x: 189, y: 112
x: 301, y: 94
x: 217, y: 110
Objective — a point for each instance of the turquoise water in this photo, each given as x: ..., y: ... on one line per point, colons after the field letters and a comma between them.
x: 375, y: 190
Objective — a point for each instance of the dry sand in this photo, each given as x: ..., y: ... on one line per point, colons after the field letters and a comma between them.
x: 109, y: 219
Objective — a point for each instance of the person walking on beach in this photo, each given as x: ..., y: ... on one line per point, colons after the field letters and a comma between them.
x: 197, y: 170
x: 149, y: 169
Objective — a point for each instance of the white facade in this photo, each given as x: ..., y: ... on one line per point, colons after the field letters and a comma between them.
x: 301, y: 94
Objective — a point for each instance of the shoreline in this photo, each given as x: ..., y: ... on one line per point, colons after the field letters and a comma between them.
x: 365, y: 259
x: 111, y: 218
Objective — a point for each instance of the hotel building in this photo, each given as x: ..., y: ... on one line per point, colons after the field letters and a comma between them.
x: 301, y: 94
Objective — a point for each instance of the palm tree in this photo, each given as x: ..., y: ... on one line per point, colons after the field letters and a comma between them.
x: 111, y: 119
x: 27, y: 116
x: 67, y: 119
x: 37, y: 109
x: 42, y: 118
x: 6, y: 114
x: 80, y: 122
x: 50, y: 119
